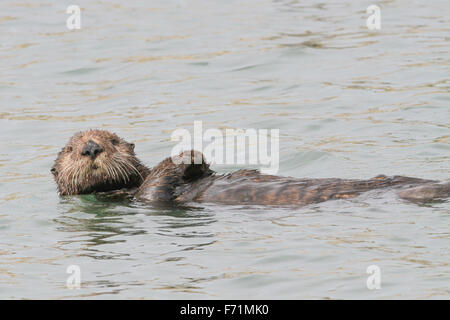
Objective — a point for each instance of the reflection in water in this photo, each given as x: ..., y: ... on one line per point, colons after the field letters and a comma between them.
x: 94, y: 223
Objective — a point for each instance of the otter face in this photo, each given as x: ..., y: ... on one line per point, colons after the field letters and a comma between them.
x: 95, y: 161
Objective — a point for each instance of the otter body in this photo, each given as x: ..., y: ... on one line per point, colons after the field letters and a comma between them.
x: 197, y: 183
x: 99, y: 161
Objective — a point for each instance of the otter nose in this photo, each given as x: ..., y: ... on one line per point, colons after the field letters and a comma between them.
x: 91, y: 149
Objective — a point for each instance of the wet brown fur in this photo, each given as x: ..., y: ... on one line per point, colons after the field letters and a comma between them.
x: 192, y: 179
x: 169, y: 181
x: 251, y: 187
x: 116, y: 167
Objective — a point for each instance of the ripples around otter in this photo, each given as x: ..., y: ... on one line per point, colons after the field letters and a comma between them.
x: 349, y: 103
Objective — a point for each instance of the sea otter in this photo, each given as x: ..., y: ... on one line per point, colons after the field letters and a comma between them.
x: 97, y: 161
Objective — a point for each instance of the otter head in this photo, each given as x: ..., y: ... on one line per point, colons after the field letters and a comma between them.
x: 96, y: 161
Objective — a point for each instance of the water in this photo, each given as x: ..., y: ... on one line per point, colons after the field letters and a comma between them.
x: 349, y: 103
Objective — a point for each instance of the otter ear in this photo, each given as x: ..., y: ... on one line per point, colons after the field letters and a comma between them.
x: 131, y: 146
x: 53, y: 171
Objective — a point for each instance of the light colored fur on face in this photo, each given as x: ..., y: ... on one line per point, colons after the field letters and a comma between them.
x: 116, y: 166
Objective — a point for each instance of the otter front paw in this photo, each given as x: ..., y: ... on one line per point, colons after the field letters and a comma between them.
x: 172, y: 176
x: 191, y: 164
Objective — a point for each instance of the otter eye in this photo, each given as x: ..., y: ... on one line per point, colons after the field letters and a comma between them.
x: 69, y: 149
x: 114, y: 141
